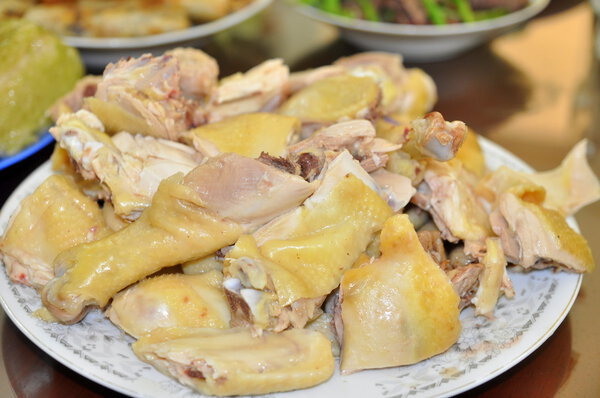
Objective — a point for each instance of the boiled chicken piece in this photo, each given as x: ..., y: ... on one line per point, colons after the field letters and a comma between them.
x: 398, y: 310
x: 408, y: 91
x: 55, y: 217
x: 492, y: 278
x: 280, y: 275
x: 261, y: 89
x: 452, y: 203
x: 397, y: 188
x: 535, y: 237
x: 171, y: 300
x: 190, y: 217
x: 129, y: 167
x: 356, y: 136
x: 471, y: 155
x: 212, y: 262
x: 566, y: 188
x: 324, y: 324
x: 235, y: 362
x: 334, y: 99
x: 73, y: 101
x: 159, y: 96
x: 248, y: 135
x: 433, y: 137
x: 302, y: 79
x: 203, y: 10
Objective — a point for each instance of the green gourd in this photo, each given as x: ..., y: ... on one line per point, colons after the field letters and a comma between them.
x: 36, y: 69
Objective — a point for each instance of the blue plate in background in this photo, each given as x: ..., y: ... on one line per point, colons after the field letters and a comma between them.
x: 44, y: 140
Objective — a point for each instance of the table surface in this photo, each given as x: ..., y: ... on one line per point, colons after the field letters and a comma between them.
x: 535, y: 91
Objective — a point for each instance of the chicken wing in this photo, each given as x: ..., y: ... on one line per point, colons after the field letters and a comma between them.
x: 234, y: 362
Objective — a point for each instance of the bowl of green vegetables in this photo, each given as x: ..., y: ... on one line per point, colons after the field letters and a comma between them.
x: 421, y: 30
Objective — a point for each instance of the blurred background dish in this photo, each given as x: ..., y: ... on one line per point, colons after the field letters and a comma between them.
x: 97, y: 52
x: 423, y: 43
x: 131, y: 29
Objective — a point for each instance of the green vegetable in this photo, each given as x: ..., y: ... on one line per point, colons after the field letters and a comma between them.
x: 439, y: 12
x: 369, y: 10
x: 464, y: 10
x: 435, y: 12
x: 36, y: 69
x: 332, y: 6
x: 490, y: 14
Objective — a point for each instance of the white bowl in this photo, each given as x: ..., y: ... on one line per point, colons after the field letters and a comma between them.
x: 97, y: 52
x: 423, y: 43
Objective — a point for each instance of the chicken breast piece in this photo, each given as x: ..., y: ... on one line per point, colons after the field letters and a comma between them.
x: 55, y: 217
x: 234, y: 362
x: 403, y: 301
x: 190, y: 217
x: 248, y: 135
x: 334, y: 99
x: 171, y: 300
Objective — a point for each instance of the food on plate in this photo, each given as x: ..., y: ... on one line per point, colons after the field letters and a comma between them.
x: 167, y: 300
x: 533, y: 236
x: 236, y: 362
x: 118, y: 18
x: 437, y: 12
x: 403, y: 301
x: 258, y: 224
x: 284, y: 271
x: 55, y: 217
x: 36, y: 69
x: 247, y: 134
x: 158, y: 96
x: 128, y: 168
x: 190, y: 216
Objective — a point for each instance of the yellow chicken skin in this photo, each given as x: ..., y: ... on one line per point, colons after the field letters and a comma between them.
x: 290, y: 265
x: 171, y: 300
x: 471, y: 154
x: 55, y: 217
x: 566, y: 188
x: 91, y: 274
x: 400, y: 309
x: 234, y: 362
x: 246, y: 134
x: 333, y: 99
x: 533, y: 236
x: 185, y: 221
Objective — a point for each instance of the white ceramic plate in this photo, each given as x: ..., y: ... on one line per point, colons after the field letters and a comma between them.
x: 96, y: 349
x: 423, y: 43
x: 97, y: 52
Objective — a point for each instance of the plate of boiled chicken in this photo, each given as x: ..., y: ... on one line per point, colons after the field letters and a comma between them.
x: 280, y: 233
